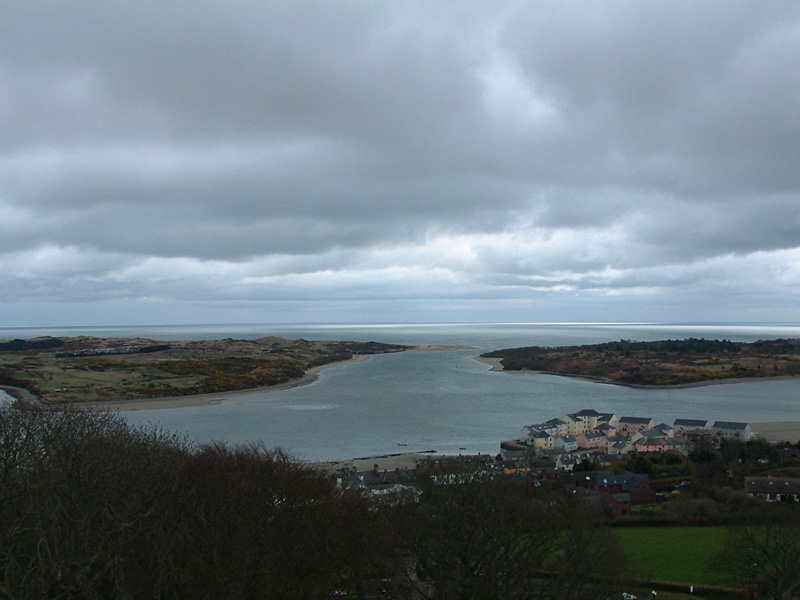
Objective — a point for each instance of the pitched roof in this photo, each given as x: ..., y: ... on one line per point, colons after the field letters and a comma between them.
x: 653, y: 441
x: 627, y: 480
x: 730, y: 425
x: 772, y: 485
x: 639, y: 420
x: 588, y: 412
x: 691, y: 422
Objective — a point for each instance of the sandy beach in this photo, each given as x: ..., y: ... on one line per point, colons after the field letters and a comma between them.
x: 777, y: 431
x: 495, y: 363
x: 387, y: 462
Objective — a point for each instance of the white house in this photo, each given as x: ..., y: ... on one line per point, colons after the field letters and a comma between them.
x: 566, y: 443
x: 730, y: 430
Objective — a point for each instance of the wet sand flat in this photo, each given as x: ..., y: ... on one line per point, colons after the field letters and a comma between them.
x: 777, y: 431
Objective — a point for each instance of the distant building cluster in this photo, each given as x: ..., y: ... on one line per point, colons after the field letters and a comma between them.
x: 571, y: 438
x: 127, y: 349
x: 774, y: 489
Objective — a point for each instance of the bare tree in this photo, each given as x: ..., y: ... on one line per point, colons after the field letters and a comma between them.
x: 76, y: 487
x: 764, y: 558
x: 485, y: 537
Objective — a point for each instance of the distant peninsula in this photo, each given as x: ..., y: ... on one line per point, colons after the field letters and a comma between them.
x: 659, y: 363
x: 80, y: 370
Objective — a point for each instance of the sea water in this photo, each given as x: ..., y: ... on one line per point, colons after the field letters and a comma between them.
x: 445, y: 400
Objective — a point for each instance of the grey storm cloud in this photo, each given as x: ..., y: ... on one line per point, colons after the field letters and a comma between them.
x: 495, y: 151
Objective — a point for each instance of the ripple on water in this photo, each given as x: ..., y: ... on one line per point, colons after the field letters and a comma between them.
x: 307, y: 407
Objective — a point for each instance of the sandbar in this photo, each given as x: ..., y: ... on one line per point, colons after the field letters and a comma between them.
x: 495, y: 363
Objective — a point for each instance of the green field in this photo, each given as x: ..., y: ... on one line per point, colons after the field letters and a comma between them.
x: 677, y: 554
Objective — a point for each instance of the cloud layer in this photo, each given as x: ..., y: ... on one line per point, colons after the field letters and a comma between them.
x: 399, y: 161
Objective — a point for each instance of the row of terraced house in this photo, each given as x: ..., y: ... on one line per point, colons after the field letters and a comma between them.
x: 590, y: 431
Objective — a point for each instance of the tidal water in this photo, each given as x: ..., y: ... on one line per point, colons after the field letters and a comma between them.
x: 445, y: 401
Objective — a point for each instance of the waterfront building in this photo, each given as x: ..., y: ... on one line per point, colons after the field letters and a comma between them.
x: 684, y: 427
x: 730, y: 430
x: 587, y: 420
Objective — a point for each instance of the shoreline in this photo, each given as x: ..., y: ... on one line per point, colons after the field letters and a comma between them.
x: 383, y: 462
x: 199, y: 400
x: 497, y: 366
x: 21, y: 395
x: 771, y: 431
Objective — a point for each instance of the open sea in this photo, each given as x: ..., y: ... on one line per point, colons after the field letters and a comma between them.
x: 444, y: 401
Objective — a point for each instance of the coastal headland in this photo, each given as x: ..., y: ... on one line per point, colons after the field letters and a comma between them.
x: 668, y: 363
x: 144, y: 374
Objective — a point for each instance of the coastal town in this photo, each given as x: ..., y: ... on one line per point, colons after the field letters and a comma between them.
x: 600, y: 452
x: 690, y: 477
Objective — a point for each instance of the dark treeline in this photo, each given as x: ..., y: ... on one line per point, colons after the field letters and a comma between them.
x: 92, y: 508
x: 687, y: 347
x: 17, y: 345
x: 149, y: 349
x: 691, y: 346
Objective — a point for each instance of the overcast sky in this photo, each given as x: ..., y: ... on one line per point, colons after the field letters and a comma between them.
x: 368, y: 161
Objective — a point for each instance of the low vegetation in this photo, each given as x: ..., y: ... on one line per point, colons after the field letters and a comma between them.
x: 87, y: 369
x: 668, y: 362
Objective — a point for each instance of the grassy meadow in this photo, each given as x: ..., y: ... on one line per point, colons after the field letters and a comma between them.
x: 677, y: 554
